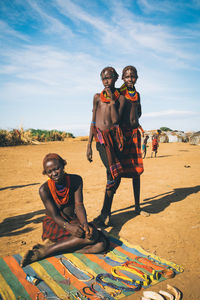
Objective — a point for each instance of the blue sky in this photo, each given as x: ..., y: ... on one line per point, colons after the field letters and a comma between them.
x: 52, y: 52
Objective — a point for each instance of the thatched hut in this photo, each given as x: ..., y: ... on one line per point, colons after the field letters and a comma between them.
x: 195, y: 138
x: 163, y: 138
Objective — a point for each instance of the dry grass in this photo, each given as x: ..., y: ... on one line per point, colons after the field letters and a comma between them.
x: 24, y: 137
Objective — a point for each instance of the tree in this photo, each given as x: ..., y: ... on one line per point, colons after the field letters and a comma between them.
x: 165, y: 129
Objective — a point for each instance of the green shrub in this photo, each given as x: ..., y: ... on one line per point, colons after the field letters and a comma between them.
x: 165, y: 129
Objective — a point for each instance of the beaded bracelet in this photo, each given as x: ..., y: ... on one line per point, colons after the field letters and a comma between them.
x: 64, y: 226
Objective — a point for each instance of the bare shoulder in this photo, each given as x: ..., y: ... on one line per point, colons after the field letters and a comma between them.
x: 96, y: 98
x: 75, y: 181
x: 75, y: 178
x: 43, y: 188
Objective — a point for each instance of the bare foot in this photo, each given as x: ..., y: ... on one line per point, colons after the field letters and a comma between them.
x: 102, y: 221
x: 37, y: 253
x: 144, y: 213
x: 101, y: 246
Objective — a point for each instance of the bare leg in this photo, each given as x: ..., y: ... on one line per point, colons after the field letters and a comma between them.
x: 103, y: 219
x: 136, y: 191
x: 72, y: 244
x: 144, y: 152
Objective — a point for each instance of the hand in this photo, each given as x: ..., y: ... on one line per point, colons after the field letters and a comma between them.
x: 76, y: 230
x: 88, y: 230
x: 89, y: 153
x: 109, y: 93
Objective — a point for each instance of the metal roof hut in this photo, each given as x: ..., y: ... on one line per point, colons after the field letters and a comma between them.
x: 172, y: 137
x: 177, y: 137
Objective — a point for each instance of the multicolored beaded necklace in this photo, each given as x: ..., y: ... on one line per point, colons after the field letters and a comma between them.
x: 129, y: 94
x: 106, y: 98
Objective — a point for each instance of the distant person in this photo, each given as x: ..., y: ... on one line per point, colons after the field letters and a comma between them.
x: 107, y: 110
x: 155, y: 144
x: 65, y: 223
x: 131, y: 161
x: 144, y: 146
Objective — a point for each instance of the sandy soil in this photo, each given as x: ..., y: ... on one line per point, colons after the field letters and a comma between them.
x: 170, y: 191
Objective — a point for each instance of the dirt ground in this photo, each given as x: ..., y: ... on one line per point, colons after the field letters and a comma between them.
x: 170, y: 191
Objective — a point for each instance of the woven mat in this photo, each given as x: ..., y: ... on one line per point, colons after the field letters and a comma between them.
x: 62, y: 276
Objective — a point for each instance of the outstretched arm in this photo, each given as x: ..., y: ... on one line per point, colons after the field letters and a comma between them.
x: 89, y: 146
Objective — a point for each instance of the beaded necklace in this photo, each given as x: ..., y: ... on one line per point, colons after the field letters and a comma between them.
x: 76, y: 267
x: 60, y: 196
x: 144, y: 276
x: 165, y: 271
x: 100, y: 277
x: 129, y: 94
x: 106, y: 99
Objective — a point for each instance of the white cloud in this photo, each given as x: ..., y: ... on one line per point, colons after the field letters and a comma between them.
x: 6, y: 32
x: 150, y: 6
x: 59, y: 64
x: 52, y: 24
x: 49, y: 68
x: 172, y: 113
x: 127, y: 34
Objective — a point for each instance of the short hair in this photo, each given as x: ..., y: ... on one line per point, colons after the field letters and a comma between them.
x: 110, y: 69
x: 53, y: 156
x: 129, y: 68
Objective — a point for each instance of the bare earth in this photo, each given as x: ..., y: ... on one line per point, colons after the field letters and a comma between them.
x: 170, y: 191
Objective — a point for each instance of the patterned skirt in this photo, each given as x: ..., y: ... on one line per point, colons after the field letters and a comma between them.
x: 131, y: 157
x: 53, y: 232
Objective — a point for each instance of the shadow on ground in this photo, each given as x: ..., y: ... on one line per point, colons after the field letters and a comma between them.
x: 151, y: 205
x: 158, y: 156
x: 14, y: 225
x: 13, y: 187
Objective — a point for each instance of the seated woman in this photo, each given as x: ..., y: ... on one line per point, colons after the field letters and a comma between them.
x: 65, y: 224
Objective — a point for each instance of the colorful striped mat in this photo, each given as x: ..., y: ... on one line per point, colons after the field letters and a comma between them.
x: 62, y: 276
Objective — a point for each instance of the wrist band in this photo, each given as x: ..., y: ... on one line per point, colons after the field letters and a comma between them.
x: 64, y: 226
